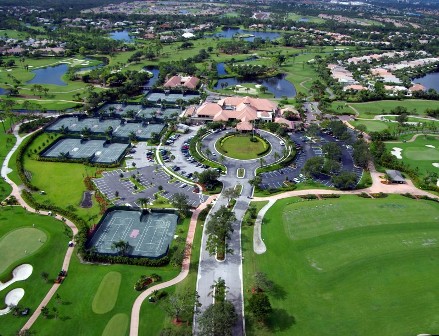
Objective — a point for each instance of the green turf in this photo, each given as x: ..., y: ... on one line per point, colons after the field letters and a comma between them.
x: 8, y: 141
x: 106, y: 295
x: 76, y: 316
x: 117, y: 326
x: 418, y: 155
x: 370, y: 109
x: 241, y: 147
x: 19, y: 244
x: 348, y: 266
x: 48, y: 258
x: 372, y: 125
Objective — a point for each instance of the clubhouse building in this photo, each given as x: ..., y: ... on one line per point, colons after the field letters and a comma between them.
x: 245, y: 110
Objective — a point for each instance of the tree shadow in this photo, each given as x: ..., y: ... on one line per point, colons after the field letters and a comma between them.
x: 280, y: 320
x: 278, y: 292
x: 65, y: 318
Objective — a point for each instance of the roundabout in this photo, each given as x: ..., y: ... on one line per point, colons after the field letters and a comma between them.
x: 243, y: 146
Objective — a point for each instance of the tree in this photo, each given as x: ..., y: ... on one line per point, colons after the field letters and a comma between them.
x: 218, y: 319
x: 361, y: 128
x: 230, y: 193
x: 260, y: 306
x: 402, y: 118
x: 345, y: 180
x: 45, y: 312
x: 332, y: 151
x: 219, y: 290
x: 255, y: 181
x: 121, y: 246
x: 208, y: 177
x: 313, y: 166
x: 219, y: 229
x: 312, y: 130
x: 143, y: 201
x: 262, y: 283
x: 180, y: 202
x: 179, y: 305
x: 331, y: 167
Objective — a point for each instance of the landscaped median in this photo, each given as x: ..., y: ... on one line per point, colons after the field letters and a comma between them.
x: 194, y: 149
x: 243, y: 146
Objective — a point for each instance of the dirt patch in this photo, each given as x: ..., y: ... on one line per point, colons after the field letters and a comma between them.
x: 87, y: 199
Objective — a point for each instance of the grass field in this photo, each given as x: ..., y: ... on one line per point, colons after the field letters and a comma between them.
x: 348, y: 266
x: 19, y: 244
x: 48, y: 258
x: 373, y: 125
x: 89, y: 281
x: 7, y: 141
x: 106, y: 296
x: 241, y: 147
x: 418, y: 154
x: 371, y: 109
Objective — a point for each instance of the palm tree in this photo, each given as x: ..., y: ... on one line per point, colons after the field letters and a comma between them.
x: 143, y: 202
x: 218, y: 290
x: 132, y: 136
x: 121, y: 246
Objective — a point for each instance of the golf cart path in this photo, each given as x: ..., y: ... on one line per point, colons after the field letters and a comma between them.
x: 16, y: 192
x: 135, y: 312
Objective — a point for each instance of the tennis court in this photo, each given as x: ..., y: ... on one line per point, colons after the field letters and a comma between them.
x: 148, y: 234
x: 120, y: 128
x: 76, y: 149
x: 169, y: 97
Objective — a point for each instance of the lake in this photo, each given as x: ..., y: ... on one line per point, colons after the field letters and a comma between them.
x: 49, y: 75
x: 276, y: 85
x: 229, y: 33
x: 430, y: 81
x: 121, y: 36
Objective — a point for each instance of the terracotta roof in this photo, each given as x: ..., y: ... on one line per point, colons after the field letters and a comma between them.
x: 209, y: 109
x: 244, y: 126
x: 284, y: 121
x: 417, y: 87
x: 173, y: 82
x: 192, y: 82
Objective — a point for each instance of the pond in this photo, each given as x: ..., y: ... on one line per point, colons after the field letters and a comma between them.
x: 121, y: 36
x: 50, y: 75
x: 277, y: 85
x: 430, y: 81
x: 229, y: 33
x: 3, y: 91
x: 155, y: 75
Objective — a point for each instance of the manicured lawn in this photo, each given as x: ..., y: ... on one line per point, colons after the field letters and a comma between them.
x: 48, y: 258
x: 153, y: 318
x: 106, y: 296
x: 418, y: 154
x: 86, y: 282
x: 372, y: 125
x: 348, y: 266
x: 241, y: 147
x: 7, y: 141
x: 18, y: 244
x: 370, y: 109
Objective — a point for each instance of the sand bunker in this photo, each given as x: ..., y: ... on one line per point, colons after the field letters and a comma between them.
x: 436, y: 164
x: 19, y: 273
x: 430, y: 146
x: 396, y: 151
x: 12, y: 299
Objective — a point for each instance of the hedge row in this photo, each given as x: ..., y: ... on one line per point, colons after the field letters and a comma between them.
x: 19, y: 161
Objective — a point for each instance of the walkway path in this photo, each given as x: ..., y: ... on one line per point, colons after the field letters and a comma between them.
x: 16, y: 192
x: 135, y: 312
x: 258, y: 244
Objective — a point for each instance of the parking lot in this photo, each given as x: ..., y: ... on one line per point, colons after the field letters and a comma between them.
x: 293, y: 173
x: 151, y: 178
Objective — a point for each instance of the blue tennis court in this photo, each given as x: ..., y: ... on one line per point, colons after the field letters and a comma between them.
x: 148, y: 234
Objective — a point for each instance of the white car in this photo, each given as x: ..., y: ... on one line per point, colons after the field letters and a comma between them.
x: 282, y: 143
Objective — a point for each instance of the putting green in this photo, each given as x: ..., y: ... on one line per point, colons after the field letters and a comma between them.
x: 420, y: 154
x: 18, y: 244
x: 106, y: 296
x: 117, y: 326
